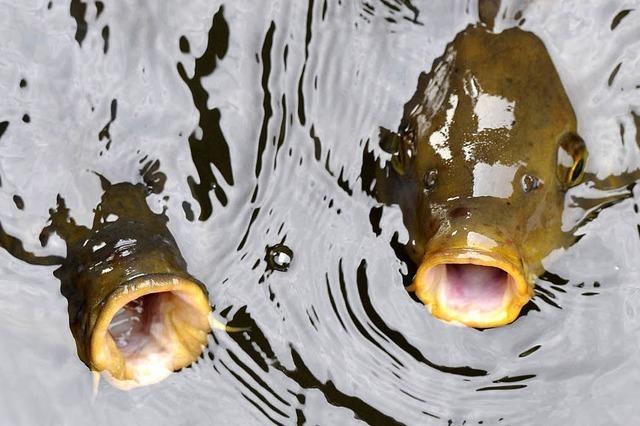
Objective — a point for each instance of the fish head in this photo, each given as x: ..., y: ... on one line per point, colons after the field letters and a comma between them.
x: 135, y: 312
x: 489, y: 140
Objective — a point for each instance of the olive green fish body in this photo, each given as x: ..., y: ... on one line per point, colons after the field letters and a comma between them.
x: 128, y: 270
x: 489, y: 141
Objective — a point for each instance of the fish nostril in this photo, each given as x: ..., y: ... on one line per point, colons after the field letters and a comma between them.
x: 459, y: 212
x: 530, y: 183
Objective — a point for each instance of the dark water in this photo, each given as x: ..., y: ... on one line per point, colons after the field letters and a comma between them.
x: 257, y: 114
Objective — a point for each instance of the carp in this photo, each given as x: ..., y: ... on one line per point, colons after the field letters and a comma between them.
x: 480, y: 167
x: 135, y: 312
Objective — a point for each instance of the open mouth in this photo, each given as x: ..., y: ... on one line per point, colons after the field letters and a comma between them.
x: 476, y: 291
x: 149, y: 330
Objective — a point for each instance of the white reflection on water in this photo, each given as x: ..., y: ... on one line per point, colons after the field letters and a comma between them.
x: 356, y: 68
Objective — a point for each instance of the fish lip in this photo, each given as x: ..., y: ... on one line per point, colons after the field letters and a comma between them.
x: 104, y: 356
x: 509, y: 263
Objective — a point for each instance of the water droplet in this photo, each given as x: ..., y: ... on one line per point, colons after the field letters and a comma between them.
x: 430, y: 179
x: 529, y: 183
x: 279, y: 257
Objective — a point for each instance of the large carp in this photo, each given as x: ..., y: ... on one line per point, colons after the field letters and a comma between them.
x: 480, y: 165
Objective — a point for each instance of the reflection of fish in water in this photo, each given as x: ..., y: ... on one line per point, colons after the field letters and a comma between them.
x: 134, y: 311
x: 485, y: 152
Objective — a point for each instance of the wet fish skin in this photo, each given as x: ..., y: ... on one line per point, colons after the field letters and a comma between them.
x: 484, y: 154
x: 128, y: 252
x: 514, y: 66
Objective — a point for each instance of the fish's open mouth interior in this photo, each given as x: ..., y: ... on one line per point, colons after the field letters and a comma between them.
x: 142, y: 329
x: 152, y: 335
x: 475, y: 295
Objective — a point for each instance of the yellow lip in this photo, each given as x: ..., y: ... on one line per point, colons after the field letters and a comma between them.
x: 429, y: 289
x: 175, y: 313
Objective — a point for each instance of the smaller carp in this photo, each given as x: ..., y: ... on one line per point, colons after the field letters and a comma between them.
x: 135, y: 312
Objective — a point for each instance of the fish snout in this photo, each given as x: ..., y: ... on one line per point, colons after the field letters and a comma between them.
x: 472, y: 287
x: 148, y: 328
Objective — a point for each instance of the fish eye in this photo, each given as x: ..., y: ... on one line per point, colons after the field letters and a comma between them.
x: 572, y: 157
x: 430, y: 179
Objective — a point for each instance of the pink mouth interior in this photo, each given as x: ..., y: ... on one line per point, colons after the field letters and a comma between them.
x: 130, y: 327
x: 141, y: 341
x: 155, y: 326
x: 472, y: 287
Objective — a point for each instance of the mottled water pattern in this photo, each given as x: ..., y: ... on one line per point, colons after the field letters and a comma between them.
x: 248, y: 120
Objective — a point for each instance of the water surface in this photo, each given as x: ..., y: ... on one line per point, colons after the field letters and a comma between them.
x: 257, y: 114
